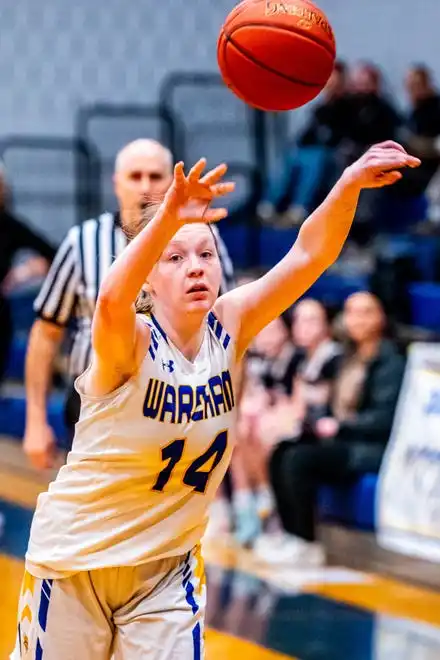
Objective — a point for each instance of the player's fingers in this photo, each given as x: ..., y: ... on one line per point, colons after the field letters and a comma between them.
x: 196, y: 170
x: 201, y: 191
x: 393, y: 161
x: 179, y: 173
x: 390, y: 144
x: 214, y: 215
x: 213, y: 176
x: 412, y: 161
x: 220, y: 189
x: 387, y: 178
x: 202, y: 213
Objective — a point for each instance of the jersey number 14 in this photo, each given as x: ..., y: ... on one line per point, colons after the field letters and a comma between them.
x: 195, y: 477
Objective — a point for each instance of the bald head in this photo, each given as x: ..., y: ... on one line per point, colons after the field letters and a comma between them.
x: 143, y: 148
x: 143, y: 174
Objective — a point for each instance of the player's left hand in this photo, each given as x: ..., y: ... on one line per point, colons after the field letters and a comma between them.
x: 193, y: 193
x: 380, y: 166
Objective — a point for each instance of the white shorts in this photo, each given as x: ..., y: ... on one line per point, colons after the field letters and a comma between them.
x: 153, y: 611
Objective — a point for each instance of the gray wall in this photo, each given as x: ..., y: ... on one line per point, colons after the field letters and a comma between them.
x: 56, y: 54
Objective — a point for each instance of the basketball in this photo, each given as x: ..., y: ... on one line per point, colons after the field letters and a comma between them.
x: 276, y: 55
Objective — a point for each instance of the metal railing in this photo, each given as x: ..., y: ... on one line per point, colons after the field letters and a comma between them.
x: 85, y: 167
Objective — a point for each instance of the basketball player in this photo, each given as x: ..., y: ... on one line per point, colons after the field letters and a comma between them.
x: 113, y: 564
x: 143, y: 171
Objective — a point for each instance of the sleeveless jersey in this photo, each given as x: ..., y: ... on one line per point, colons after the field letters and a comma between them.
x: 145, y: 464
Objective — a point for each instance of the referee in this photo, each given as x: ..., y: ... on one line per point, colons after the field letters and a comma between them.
x: 143, y: 171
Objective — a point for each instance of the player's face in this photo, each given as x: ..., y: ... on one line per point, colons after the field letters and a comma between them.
x: 188, y: 275
x: 363, y: 318
x: 144, y: 179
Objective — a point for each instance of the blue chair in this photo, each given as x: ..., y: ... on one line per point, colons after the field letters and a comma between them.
x: 425, y: 305
x: 13, y: 416
x: 351, y: 506
x: 17, y: 358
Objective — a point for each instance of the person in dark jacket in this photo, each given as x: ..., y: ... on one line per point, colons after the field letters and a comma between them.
x: 345, y: 445
x: 422, y: 127
x: 373, y: 118
x: 309, y: 163
x: 14, y: 236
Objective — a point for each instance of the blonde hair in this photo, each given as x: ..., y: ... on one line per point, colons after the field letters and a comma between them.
x: 144, y: 303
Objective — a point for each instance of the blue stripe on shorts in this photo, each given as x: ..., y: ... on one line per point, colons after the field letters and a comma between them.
x: 189, y: 594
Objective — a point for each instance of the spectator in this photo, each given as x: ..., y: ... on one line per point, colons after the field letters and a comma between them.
x: 271, y: 365
x: 328, y: 124
x: 373, y: 118
x: 312, y: 384
x: 272, y: 361
x: 344, y: 445
x: 311, y: 163
x: 16, y: 236
x: 143, y: 172
x: 424, y: 119
x: 422, y: 128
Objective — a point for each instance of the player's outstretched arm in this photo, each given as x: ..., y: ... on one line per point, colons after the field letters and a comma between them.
x: 318, y: 245
x: 115, y: 332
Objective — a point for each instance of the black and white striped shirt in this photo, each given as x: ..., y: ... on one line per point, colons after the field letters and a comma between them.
x: 69, y: 292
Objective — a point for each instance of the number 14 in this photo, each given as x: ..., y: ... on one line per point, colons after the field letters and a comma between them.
x: 194, y: 477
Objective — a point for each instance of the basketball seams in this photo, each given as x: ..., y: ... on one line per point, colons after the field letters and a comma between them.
x: 291, y: 28
x: 265, y: 66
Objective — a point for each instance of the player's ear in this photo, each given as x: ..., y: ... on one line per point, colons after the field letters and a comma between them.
x: 148, y: 287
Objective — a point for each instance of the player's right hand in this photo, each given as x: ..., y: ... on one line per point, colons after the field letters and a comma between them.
x: 39, y: 445
x: 379, y: 166
x: 192, y: 194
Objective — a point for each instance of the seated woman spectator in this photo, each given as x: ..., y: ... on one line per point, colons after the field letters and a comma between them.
x: 374, y: 118
x: 338, y: 448
x: 309, y: 164
x: 272, y: 361
x: 271, y: 366
x: 422, y: 128
x: 318, y: 357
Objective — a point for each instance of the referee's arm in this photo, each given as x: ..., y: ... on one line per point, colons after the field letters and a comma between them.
x: 53, y: 307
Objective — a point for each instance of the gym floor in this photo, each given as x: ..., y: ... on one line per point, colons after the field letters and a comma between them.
x: 254, y: 612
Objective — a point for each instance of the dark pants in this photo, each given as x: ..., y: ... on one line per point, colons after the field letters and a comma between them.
x: 296, y: 473
x: 5, y: 335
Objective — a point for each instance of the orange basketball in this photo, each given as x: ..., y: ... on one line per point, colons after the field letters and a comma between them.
x: 276, y: 55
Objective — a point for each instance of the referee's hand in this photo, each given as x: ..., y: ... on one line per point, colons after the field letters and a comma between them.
x: 39, y: 445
